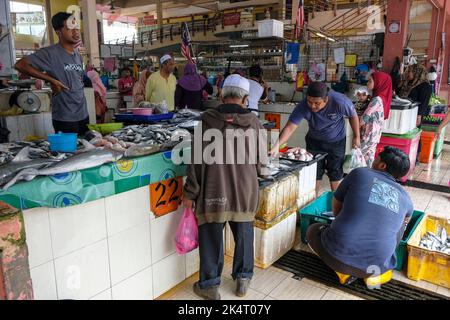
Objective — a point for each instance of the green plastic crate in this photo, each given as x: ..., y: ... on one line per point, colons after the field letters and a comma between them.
x: 312, y: 214
x: 439, y: 143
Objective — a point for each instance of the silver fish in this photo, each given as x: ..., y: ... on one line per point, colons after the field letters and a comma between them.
x: 20, y: 162
x: 142, y: 149
x: 88, y: 159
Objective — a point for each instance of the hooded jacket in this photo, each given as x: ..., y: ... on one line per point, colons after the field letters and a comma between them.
x: 227, y: 190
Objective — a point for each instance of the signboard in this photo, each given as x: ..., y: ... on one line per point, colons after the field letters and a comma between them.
x: 274, y: 117
x: 231, y: 19
x: 165, y: 196
x: 394, y: 26
x: 339, y: 55
x: 148, y: 21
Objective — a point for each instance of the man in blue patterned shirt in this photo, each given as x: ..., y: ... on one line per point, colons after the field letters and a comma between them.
x: 371, y: 212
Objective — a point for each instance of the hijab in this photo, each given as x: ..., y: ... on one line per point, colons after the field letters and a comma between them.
x: 420, y: 76
x: 191, y: 80
x: 97, y: 83
x: 383, y: 89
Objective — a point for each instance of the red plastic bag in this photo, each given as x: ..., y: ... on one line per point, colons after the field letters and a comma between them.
x: 186, y: 238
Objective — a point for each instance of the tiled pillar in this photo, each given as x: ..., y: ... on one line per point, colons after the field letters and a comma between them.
x: 15, y: 279
x: 397, y: 11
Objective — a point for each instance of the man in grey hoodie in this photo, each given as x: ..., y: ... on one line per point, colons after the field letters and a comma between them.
x: 226, y: 191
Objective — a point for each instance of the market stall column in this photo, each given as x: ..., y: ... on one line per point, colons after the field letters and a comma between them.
x: 396, y: 31
x: 15, y: 279
x: 90, y: 31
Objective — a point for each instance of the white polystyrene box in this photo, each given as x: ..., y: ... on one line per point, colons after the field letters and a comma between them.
x: 307, y: 179
x: 306, y: 199
x: 270, y: 244
x: 401, y: 121
x: 270, y: 28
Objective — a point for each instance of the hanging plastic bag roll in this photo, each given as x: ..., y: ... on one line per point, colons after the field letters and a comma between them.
x: 186, y: 238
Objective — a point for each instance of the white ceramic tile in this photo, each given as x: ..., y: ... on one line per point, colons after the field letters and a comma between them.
x: 37, y: 230
x: 129, y: 252
x: 83, y: 273
x: 192, y: 262
x: 128, y: 209
x: 137, y: 287
x: 105, y: 295
x: 163, y: 230
x: 443, y: 291
x: 336, y: 295
x: 167, y: 273
x: 265, y: 280
x: 291, y: 289
x: 75, y: 227
x: 44, y: 283
x: 184, y: 295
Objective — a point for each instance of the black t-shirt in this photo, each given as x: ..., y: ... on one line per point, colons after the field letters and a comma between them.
x: 422, y: 94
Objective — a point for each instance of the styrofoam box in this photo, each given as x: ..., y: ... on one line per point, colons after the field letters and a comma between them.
x: 270, y: 244
x: 305, y: 199
x: 401, y: 121
x: 307, y: 179
x: 270, y: 28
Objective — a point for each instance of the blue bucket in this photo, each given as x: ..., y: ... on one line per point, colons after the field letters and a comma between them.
x: 63, y: 142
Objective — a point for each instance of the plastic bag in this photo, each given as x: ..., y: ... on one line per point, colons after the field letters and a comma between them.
x: 354, y: 160
x: 186, y: 238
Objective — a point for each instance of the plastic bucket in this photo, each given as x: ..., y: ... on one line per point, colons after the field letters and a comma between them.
x: 428, y: 141
x: 63, y: 142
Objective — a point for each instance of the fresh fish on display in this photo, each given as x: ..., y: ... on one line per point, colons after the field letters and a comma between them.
x: 440, y: 242
x: 142, y: 149
x: 20, y: 162
x: 298, y: 154
x: 81, y: 161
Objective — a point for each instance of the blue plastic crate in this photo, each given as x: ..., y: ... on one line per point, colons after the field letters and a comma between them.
x: 312, y: 214
x: 127, y: 117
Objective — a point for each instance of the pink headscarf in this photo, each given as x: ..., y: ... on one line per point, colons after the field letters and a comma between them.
x: 97, y: 83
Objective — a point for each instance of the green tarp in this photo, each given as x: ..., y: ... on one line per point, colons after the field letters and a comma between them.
x: 91, y: 184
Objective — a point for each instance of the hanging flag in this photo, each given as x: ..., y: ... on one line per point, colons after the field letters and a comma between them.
x: 186, y: 43
x: 300, y: 20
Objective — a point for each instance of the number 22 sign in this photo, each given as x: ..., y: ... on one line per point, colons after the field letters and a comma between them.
x: 165, y: 196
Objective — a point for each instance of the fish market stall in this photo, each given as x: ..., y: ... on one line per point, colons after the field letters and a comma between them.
x: 99, y: 223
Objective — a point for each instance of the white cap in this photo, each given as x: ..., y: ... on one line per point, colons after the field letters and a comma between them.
x: 164, y: 58
x: 235, y: 80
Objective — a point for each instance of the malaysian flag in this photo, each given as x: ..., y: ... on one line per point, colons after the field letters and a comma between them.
x: 186, y: 43
x: 300, y: 20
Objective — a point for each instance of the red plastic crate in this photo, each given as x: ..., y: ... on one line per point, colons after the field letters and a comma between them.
x: 409, y: 146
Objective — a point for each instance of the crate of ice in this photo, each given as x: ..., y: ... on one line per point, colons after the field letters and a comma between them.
x: 402, y: 117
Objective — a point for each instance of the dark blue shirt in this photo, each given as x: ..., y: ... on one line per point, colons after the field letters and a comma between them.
x: 371, y: 223
x: 328, y: 124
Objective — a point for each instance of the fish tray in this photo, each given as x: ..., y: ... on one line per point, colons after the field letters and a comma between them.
x: 425, y: 264
x: 316, y: 158
x: 313, y: 214
x: 126, y: 117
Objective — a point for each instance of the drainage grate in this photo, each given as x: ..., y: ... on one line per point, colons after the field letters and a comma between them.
x: 307, y: 265
x: 428, y: 186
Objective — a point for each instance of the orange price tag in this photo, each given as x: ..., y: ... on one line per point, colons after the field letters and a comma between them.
x: 165, y: 196
x: 274, y: 117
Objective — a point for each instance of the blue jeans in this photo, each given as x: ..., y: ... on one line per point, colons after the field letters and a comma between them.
x: 210, y: 237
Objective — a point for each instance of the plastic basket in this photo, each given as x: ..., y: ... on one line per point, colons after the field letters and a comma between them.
x: 425, y: 264
x: 106, y: 128
x: 63, y: 142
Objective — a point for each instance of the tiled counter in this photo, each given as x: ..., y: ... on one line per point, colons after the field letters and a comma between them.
x: 112, y: 248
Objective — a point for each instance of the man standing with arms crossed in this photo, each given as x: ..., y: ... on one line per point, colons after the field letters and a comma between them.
x: 61, y: 65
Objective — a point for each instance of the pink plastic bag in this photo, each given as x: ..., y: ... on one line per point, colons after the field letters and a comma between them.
x: 186, y: 238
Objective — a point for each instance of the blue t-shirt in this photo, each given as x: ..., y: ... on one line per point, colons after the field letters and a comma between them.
x: 328, y: 124
x: 371, y: 223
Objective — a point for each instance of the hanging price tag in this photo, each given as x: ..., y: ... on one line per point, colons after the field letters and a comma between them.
x: 274, y: 117
x: 165, y: 196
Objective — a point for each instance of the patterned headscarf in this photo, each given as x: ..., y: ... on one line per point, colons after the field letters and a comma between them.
x: 420, y: 76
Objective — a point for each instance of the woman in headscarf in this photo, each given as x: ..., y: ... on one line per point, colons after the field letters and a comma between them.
x: 371, y: 121
x: 139, y: 88
x: 415, y: 86
x: 99, y: 94
x: 189, y: 91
